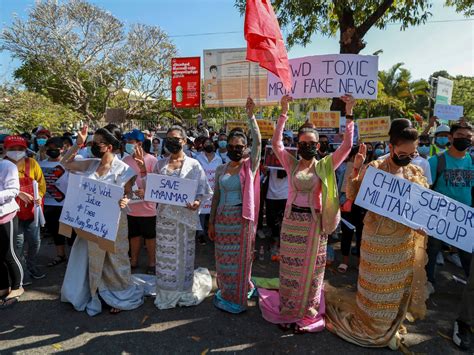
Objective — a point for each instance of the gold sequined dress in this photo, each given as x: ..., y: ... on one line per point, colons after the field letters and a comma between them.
x: 392, y: 278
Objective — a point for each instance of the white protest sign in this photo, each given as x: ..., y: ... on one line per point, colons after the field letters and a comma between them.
x: 448, y: 112
x: 170, y: 190
x: 331, y: 75
x: 92, y: 206
x: 418, y: 208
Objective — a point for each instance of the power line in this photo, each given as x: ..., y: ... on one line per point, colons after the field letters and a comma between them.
x: 240, y: 32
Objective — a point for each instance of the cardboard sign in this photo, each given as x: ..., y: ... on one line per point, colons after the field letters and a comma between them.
x: 444, y: 91
x: 329, y: 76
x: 92, y: 207
x: 271, y: 160
x: 448, y: 112
x: 56, y: 183
x: 329, y: 119
x: 418, y: 208
x: 267, y: 128
x: 170, y: 190
x: 374, y: 129
x: 186, y: 82
x: 230, y: 125
x: 229, y: 79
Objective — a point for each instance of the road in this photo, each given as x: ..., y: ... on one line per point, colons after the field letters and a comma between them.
x: 40, y: 323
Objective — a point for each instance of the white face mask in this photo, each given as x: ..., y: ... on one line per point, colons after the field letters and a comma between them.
x: 16, y: 155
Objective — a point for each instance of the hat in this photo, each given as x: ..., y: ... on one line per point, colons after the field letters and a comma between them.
x: 43, y: 131
x: 12, y: 141
x: 442, y: 129
x: 136, y: 135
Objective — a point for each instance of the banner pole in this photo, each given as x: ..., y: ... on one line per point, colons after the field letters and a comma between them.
x: 248, y: 81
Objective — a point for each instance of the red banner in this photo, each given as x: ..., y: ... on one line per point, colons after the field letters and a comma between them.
x: 186, y: 82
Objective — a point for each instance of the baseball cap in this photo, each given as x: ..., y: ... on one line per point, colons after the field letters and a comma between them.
x: 43, y: 131
x: 12, y: 141
x: 442, y: 129
x: 136, y: 135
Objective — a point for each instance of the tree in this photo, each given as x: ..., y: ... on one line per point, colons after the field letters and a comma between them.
x: 73, y: 52
x: 21, y: 111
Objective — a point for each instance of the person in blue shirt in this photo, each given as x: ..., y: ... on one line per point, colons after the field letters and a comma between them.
x: 453, y: 176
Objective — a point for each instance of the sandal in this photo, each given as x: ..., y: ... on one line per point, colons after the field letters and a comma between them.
x: 151, y: 270
x: 9, y: 302
x: 59, y: 259
x: 342, y: 268
x: 115, y: 311
x: 300, y: 330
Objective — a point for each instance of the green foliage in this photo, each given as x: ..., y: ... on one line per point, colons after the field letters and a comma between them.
x: 21, y: 111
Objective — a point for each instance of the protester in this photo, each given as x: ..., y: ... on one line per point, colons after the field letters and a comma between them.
x: 56, y: 188
x: 234, y: 214
x: 141, y: 215
x: 67, y: 142
x: 28, y: 229
x: 117, y: 133
x: 441, y: 137
x: 85, y: 151
x: 312, y: 212
x: 155, y: 147
x: 453, y: 176
x: 222, y: 148
x: 379, y: 150
x: 11, y: 271
x: 324, y: 148
x: 209, y: 161
x: 424, y: 146
x: 373, y: 316
x: 370, y: 152
x: 177, y: 284
x: 41, y: 137
x: 93, y: 274
x: 462, y: 334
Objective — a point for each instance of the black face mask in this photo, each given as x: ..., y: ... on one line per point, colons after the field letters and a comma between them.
x: 208, y: 148
x: 461, y: 144
x: 95, y: 150
x: 235, y: 155
x: 173, y: 145
x: 323, y: 147
x: 307, y: 152
x: 401, y: 162
x: 53, y: 153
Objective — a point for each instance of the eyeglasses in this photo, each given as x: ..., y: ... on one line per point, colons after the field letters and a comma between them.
x: 307, y: 144
x: 236, y: 147
x: 404, y: 156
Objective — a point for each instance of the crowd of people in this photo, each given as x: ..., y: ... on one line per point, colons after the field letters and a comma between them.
x: 305, y: 203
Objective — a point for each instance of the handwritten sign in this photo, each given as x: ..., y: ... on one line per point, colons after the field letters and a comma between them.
x: 92, y: 206
x: 448, y: 112
x: 267, y: 128
x: 271, y: 160
x: 418, y: 208
x: 373, y: 129
x: 230, y: 125
x: 331, y: 75
x: 170, y: 190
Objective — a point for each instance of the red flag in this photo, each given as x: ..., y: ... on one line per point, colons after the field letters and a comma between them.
x: 264, y: 40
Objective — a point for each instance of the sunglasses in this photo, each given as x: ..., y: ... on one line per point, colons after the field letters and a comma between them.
x: 307, y: 144
x: 404, y: 156
x: 236, y: 147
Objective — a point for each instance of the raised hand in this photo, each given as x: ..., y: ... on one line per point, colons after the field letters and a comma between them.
x: 350, y: 103
x: 250, y: 107
x: 138, y: 156
x: 285, y: 104
x: 359, y: 159
x: 82, y: 135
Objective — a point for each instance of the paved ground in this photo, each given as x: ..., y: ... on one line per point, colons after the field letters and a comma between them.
x: 40, y: 323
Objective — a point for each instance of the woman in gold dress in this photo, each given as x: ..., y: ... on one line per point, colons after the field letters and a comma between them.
x: 392, y: 279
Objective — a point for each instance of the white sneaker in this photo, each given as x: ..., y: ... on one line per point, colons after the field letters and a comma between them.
x: 440, y: 259
x: 430, y: 288
x: 261, y: 234
x: 454, y: 258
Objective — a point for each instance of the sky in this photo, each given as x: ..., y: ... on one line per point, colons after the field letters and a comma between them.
x: 445, y: 43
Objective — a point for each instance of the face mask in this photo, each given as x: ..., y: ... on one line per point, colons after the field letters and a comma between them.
x: 424, y: 150
x: 401, y: 162
x: 208, y: 148
x: 95, y: 150
x: 16, y: 155
x: 173, y: 145
x: 323, y: 147
x: 41, y: 141
x: 461, y: 144
x: 130, y: 148
x: 53, y: 153
x: 307, y: 152
x: 442, y: 141
x: 379, y: 152
x: 235, y: 155
x: 222, y: 144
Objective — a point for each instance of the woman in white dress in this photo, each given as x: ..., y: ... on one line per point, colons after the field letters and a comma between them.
x: 93, y: 274
x: 177, y: 283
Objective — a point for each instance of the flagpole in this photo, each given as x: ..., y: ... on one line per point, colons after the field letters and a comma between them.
x: 248, y: 82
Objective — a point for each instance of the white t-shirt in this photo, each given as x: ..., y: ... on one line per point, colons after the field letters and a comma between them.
x: 420, y: 162
x: 277, y: 188
x: 210, y: 170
